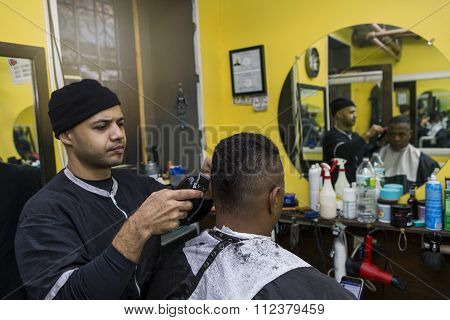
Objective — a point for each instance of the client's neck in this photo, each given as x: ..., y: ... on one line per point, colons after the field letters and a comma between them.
x: 242, y: 221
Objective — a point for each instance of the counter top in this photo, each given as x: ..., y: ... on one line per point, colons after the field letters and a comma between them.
x: 290, y: 215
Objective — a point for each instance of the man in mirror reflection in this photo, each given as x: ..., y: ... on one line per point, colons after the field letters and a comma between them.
x: 93, y: 232
x: 434, y: 127
x: 342, y: 142
x: 404, y: 164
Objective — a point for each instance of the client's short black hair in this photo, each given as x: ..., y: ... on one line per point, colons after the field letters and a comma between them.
x: 244, y: 165
x: 399, y: 120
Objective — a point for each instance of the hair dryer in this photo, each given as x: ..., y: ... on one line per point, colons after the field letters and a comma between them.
x: 367, y: 270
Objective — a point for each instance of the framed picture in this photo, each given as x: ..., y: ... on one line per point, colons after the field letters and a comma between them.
x: 247, y: 71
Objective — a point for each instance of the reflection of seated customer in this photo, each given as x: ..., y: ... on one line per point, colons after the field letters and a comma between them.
x: 17, y: 184
x: 432, y: 132
x: 237, y: 259
x: 403, y: 163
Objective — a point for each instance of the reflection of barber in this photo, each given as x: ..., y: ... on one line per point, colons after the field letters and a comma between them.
x: 93, y: 233
x: 341, y: 142
x: 404, y: 164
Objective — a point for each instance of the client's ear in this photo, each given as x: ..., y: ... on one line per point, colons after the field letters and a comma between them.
x: 275, y: 200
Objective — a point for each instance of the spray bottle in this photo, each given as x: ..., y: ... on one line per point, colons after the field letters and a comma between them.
x: 314, y: 186
x: 342, y: 181
x: 339, y: 252
x: 433, y: 203
x: 327, y: 198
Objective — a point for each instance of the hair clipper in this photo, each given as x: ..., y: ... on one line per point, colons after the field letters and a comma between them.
x: 201, y: 183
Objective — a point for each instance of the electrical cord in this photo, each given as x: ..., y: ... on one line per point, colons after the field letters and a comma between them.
x: 319, y: 246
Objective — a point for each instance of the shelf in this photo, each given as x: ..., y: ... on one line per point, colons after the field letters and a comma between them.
x: 290, y: 215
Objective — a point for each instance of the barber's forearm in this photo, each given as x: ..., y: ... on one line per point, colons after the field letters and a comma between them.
x: 131, y: 238
x: 105, y: 277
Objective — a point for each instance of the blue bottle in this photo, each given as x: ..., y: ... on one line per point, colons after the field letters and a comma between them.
x: 433, y: 204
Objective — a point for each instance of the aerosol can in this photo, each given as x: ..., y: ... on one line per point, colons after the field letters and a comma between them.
x: 342, y: 181
x: 339, y: 252
x: 327, y: 197
x: 314, y: 186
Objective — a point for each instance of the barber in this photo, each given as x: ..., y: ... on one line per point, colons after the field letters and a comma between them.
x: 93, y: 232
x: 342, y: 142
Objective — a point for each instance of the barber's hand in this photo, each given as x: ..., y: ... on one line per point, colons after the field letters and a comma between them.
x: 162, y: 210
x: 159, y: 213
x: 206, y: 170
x: 372, y: 132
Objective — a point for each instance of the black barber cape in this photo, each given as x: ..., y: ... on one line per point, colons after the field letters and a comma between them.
x: 63, y: 242
x: 221, y: 264
x: 407, y: 166
x: 346, y: 145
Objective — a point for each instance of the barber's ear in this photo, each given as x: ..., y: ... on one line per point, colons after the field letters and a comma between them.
x: 66, y: 138
x: 275, y: 200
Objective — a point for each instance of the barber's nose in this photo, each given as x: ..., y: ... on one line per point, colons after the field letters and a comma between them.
x: 118, y: 132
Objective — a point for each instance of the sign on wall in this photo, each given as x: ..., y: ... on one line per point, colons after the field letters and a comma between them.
x: 20, y: 70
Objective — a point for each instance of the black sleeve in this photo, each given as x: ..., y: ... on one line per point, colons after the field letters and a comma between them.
x: 303, y: 284
x: 347, y: 150
x: 48, y: 248
x: 105, y: 277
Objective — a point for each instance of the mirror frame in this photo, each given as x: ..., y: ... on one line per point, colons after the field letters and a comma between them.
x: 41, y: 99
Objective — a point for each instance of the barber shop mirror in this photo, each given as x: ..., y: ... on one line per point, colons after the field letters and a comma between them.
x: 25, y: 137
x: 386, y: 71
x: 25, y: 132
x: 18, y: 124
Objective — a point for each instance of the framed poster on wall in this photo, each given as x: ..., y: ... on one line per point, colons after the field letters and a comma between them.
x: 247, y: 71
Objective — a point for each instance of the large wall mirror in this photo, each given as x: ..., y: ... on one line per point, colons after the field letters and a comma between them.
x: 25, y: 129
x: 386, y: 70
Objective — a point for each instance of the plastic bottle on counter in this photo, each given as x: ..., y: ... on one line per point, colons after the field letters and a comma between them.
x: 349, y: 203
x: 378, y: 168
x: 151, y: 169
x: 433, y: 203
x: 366, y: 192
x: 341, y: 181
x: 413, y: 202
x: 327, y: 197
x: 314, y: 186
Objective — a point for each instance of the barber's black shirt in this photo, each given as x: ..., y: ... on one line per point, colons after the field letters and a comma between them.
x: 63, y: 243
x: 346, y: 145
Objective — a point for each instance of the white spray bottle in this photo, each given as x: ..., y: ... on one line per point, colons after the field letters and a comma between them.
x: 314, y: 186
x: 342, y: 181
x: 327, y: 198
x: 339, y: 251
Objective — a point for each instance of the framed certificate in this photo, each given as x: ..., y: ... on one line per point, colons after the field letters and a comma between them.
x: 247, y: 71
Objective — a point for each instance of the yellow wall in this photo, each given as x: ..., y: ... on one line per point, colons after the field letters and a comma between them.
x: 23, y: 22
x: 416, y: 57
x: 286, y: 29
x: 14, y: 98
